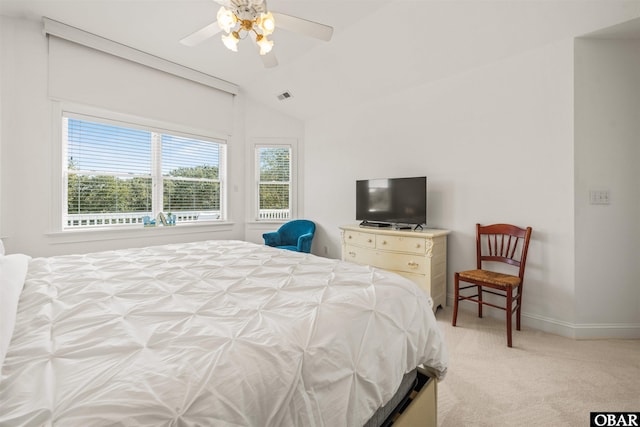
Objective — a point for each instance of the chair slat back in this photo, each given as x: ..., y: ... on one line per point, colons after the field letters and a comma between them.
x: 503, y: 243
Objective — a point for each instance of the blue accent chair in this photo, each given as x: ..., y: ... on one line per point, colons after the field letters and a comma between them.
x: 294, y: 235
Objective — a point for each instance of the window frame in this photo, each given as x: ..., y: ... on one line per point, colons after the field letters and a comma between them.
x: 59, y: 156
x: 291, y: 144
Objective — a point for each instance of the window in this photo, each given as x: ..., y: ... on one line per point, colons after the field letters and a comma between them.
x: 117, y: 174
x: 273, y: 170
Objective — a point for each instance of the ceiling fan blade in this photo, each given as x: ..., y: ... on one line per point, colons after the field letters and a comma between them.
x: 202, y: 34
x: 303, y: 26
x: 269, y: 60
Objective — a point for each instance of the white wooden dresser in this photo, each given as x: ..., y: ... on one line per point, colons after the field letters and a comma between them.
x: 418, y: 255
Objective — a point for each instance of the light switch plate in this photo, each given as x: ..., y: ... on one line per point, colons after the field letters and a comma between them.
x: 599, y: 197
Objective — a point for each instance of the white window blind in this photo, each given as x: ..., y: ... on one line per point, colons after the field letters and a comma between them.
x: 117, y: 174
x: 273, y: 167
x: 191, y: 171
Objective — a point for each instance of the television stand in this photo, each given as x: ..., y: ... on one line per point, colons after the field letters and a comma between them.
x: 376, y: 224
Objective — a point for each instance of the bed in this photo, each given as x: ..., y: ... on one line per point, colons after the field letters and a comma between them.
x: 214, y: 333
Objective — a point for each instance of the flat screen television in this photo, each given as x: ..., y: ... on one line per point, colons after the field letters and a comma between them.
x: 392, y: 201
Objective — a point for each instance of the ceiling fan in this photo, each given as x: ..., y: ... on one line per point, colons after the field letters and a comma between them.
x: 238, y: 18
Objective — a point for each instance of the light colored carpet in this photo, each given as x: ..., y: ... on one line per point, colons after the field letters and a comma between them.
x: 543, y: 380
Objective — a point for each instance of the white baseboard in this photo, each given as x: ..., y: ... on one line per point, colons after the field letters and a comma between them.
x: 568, y: 329
x: 612, y: 330
x: 547, y: 324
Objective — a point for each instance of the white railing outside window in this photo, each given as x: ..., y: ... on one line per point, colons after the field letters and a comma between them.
x: 274, y: 214
x: 125, y: 218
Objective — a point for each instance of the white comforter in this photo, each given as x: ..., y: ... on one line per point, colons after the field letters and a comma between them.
x: 216, y: 333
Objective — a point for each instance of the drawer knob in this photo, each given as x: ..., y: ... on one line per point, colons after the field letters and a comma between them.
x: 353, y: 254
x: 412, y: 264
x: 418, y: 246
x: 369, y: 241
x: 350, y: 236
x: 384, y: 242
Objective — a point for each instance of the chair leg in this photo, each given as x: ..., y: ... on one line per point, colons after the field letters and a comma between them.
x: 480, y: 301
x: 518, y: 311
x: 456, y: 294
x: 509, y: 313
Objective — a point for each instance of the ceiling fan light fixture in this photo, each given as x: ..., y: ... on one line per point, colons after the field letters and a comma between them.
x: 226, y: 19
x: 266, y: 23
x: 264, y: 44
x: 237, y: 19
x: 231, y: 41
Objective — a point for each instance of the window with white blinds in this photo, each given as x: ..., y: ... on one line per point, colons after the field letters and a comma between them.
x: 116, y: 174
x: 108, y: 171
x: 191, y: 176
x: 273, y: 170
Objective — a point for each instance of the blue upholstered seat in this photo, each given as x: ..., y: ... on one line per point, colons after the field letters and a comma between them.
x: 294, y: 235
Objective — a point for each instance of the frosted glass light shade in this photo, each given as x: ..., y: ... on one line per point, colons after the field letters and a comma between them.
x: 231, y: 41
x: 226, y: 19
x: 265, y: 45
x: 267, y: 23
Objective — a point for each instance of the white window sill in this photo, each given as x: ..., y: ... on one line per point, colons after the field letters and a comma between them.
x: 136, y: 231
x: 268, y: 221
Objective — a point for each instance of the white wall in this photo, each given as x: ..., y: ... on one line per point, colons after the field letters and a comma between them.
x: 607, y: 153
x: 26, y: 172
x: 25, y: 126
x: 264, y: 125
x: 496, y: 144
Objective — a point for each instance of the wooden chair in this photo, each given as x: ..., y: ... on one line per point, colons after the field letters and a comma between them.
x: 501, y: 243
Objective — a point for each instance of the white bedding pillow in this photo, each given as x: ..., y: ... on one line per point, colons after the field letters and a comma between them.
x: 13, y: 270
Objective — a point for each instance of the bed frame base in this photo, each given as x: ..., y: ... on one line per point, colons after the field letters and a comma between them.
x: 422, y: 409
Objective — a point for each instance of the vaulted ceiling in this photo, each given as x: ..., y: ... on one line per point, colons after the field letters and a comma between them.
x: 378, y: 46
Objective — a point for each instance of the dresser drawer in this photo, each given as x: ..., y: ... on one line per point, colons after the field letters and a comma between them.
x: 415, y: 245
x: 387, y: 261
x: 367, y: 240
x: 418, y: 279
x: 403, y: 262
x: 360, y: 255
